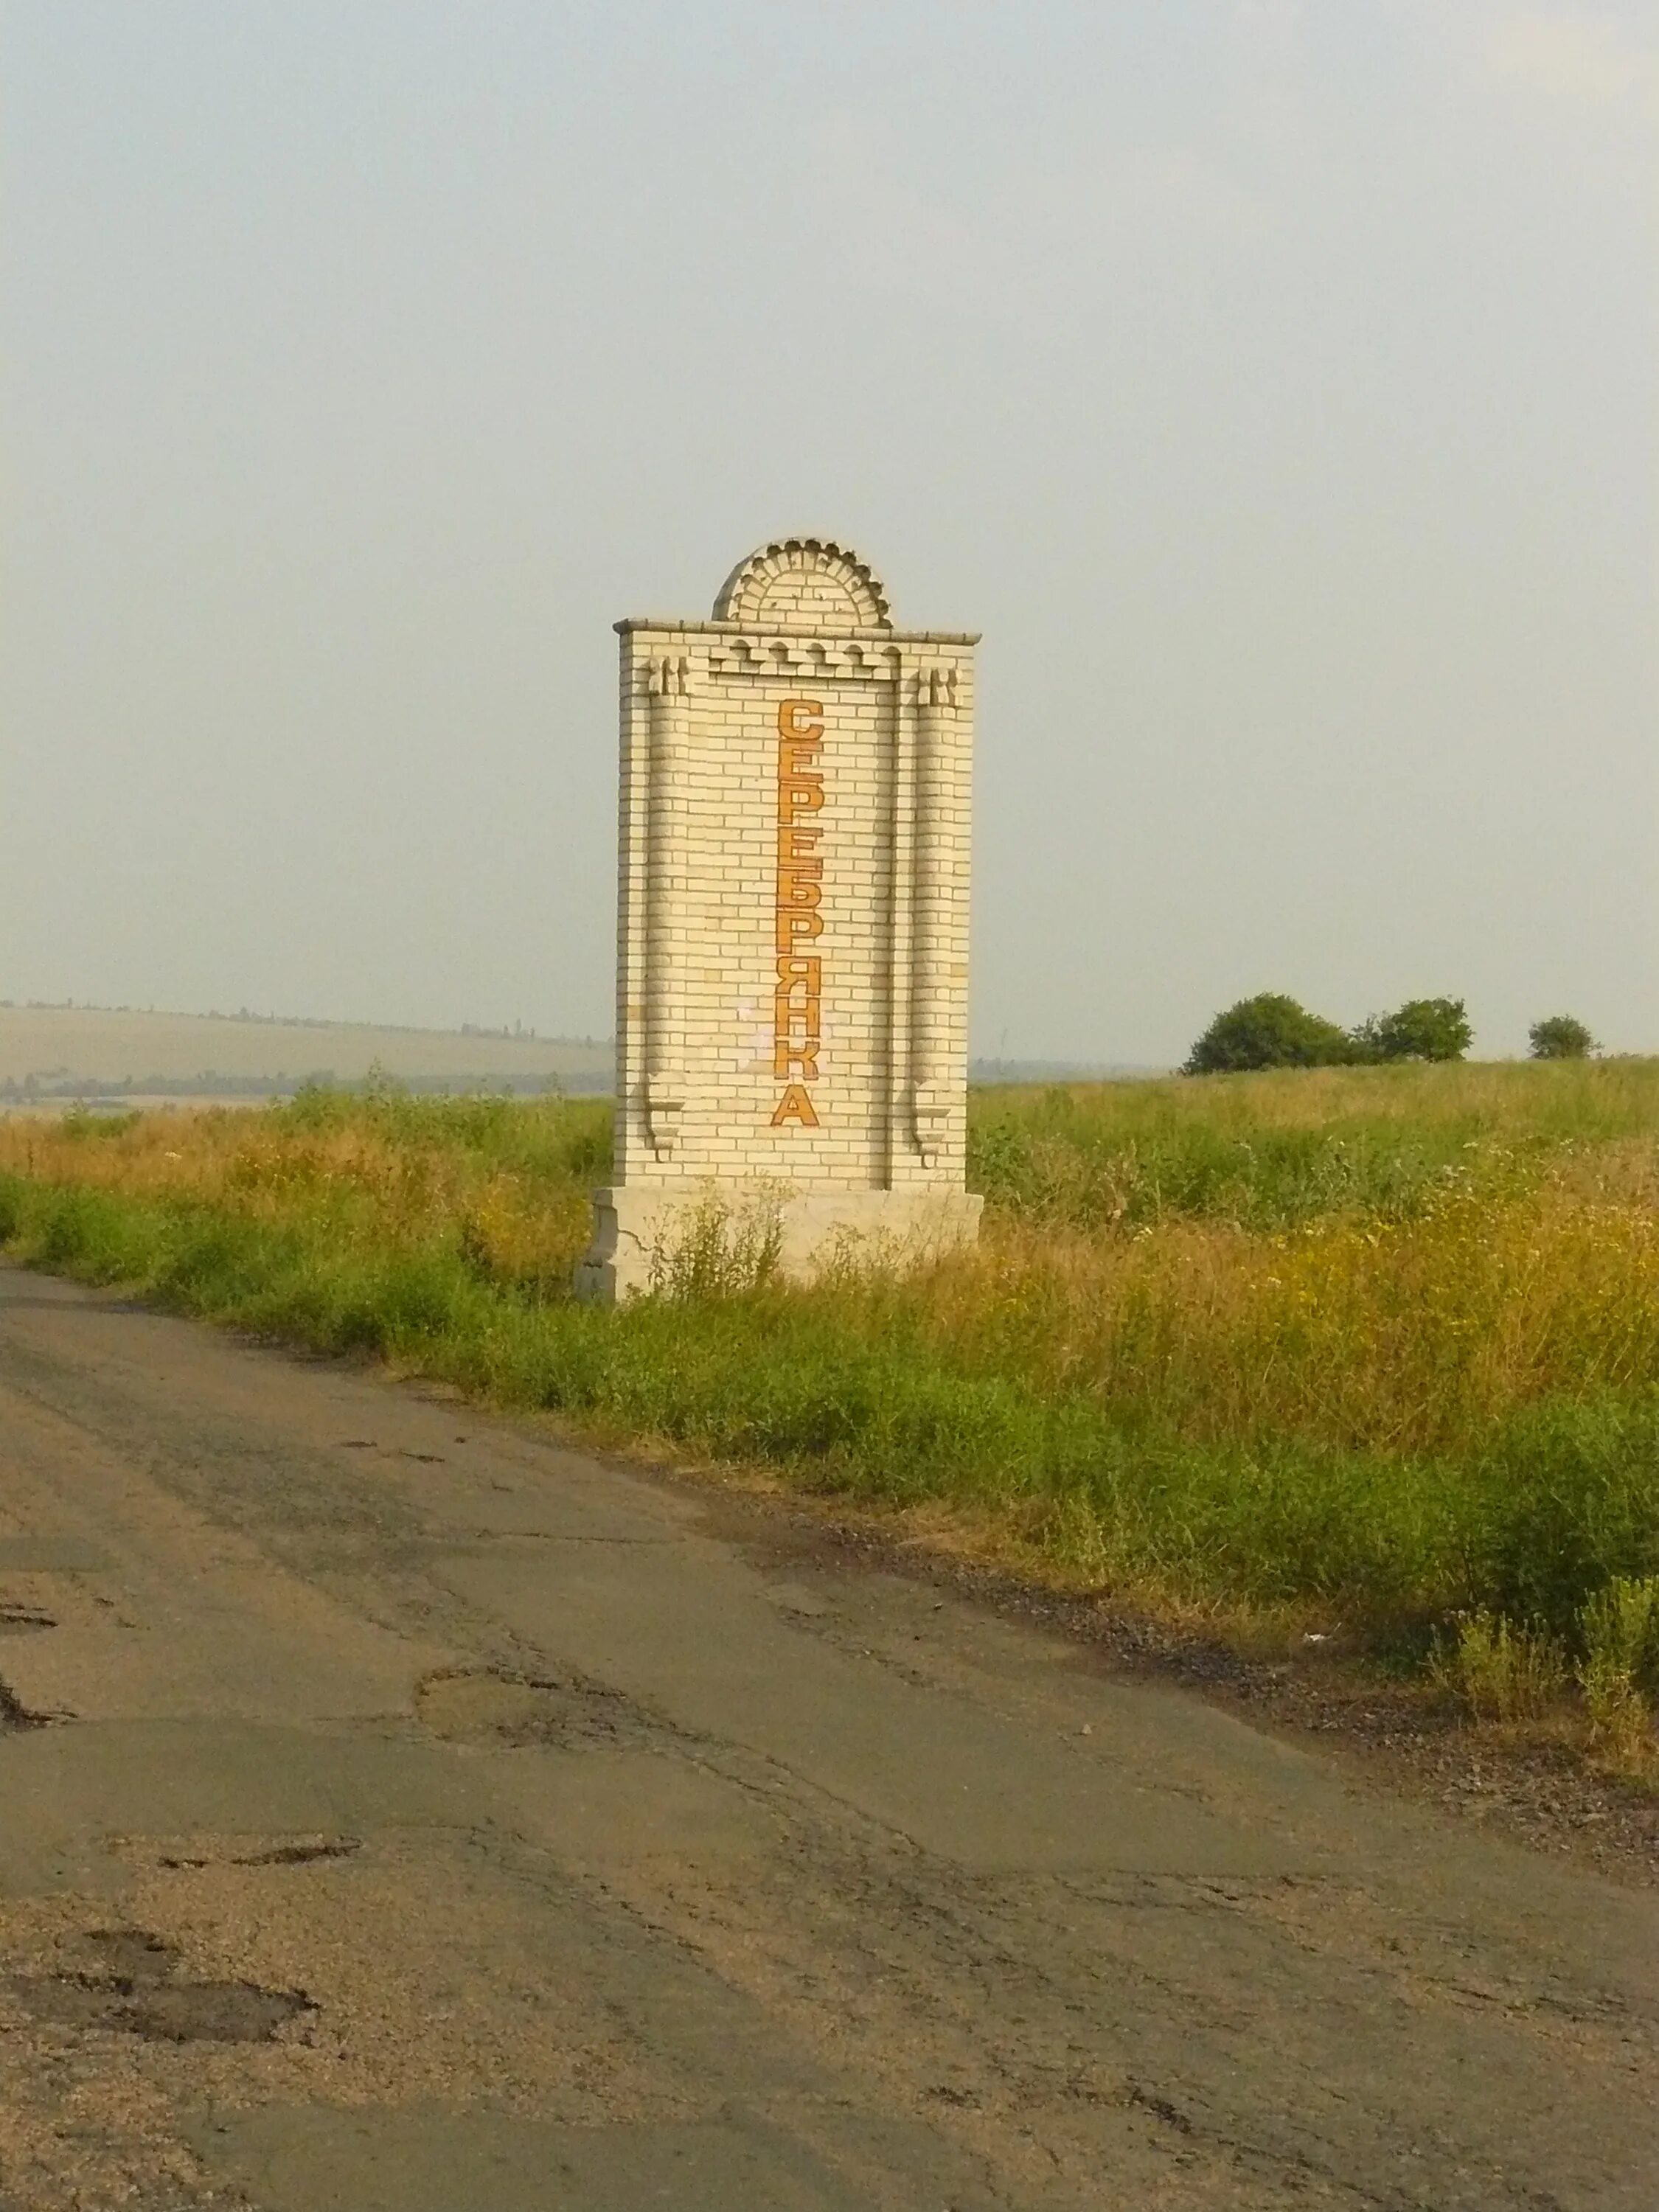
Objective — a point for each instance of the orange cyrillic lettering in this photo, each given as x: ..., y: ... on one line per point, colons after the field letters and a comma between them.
x: 798, y: 794
x: 795, y: 922
x: 795, y: 1106
x: 797, y: 897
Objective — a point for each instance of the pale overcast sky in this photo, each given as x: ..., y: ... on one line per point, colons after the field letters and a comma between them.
x: 1273, y: 381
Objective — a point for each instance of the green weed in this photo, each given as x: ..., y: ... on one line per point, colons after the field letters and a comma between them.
x: 716, y: 1250
x: 1503, y: 1670
x: 1620, y: 1667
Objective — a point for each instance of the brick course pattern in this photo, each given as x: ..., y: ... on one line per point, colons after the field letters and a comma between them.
x: 792, y: 925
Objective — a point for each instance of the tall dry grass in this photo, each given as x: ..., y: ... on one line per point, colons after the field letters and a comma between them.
x: 1414, y: 1333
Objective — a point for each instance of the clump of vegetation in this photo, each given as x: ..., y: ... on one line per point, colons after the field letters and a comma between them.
x: 1271, y: 1031
x: 718, y: 1250
x: 78, y: 1123
x: 1620, y: 1669
x: 1377, y: 1342
x: 1422, y: 1029
x: 1504, y: 1670
x: 1560, y: 1036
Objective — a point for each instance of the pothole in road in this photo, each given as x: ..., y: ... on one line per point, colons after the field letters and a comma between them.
x: 132, y: 1982
x: 492, y: 1706
x: 14, y: 1713
x: 305, y: 1850
x: 21, y: 1619
x: 335, y: 1847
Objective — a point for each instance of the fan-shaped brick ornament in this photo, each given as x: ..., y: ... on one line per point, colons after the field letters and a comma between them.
x: 809, y: 584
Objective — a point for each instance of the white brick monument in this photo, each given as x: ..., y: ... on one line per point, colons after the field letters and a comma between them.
x: 792, y: 934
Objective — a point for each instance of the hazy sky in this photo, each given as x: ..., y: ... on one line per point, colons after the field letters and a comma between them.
x: 1273, y: 381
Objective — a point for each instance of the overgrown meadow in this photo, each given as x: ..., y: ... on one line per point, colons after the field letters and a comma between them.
x: 1369, y: 1352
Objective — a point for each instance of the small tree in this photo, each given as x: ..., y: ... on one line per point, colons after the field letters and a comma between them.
x: 1560, y: 1036
x: 1422, y: 1029
x: 1269, y: 1031
x: 1364, y: 1041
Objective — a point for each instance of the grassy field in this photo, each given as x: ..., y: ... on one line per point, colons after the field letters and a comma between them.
x: 1363, y: 1351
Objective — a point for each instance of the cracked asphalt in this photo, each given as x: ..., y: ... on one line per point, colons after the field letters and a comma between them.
x: 401, y: 1812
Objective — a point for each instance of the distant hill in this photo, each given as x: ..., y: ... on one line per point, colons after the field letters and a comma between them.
x: 75, y: 1051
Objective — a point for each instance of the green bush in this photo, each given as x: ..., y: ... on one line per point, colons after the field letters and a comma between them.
x: 1619, y: 1632
x: 1503, y: 1670
x: 1560, y: 1036
x: 1422, y: 1029
x: 1269, y: 1031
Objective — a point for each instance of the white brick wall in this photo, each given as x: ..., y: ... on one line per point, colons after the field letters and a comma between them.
x: 700, y: 884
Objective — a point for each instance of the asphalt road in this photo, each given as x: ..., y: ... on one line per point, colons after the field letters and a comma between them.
x: 430, y: 1819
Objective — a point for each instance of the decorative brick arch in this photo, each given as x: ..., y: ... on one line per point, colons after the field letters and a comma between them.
x: 803, y: 584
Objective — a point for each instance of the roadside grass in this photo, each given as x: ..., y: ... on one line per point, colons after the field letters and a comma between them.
x: 1272, y: 1151
x: 1372, y: 1354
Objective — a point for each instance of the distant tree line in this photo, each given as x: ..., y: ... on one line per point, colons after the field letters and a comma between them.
x: 1272, y: 1030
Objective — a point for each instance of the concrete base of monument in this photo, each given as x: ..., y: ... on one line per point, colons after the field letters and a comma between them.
x: 657, y: 1237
